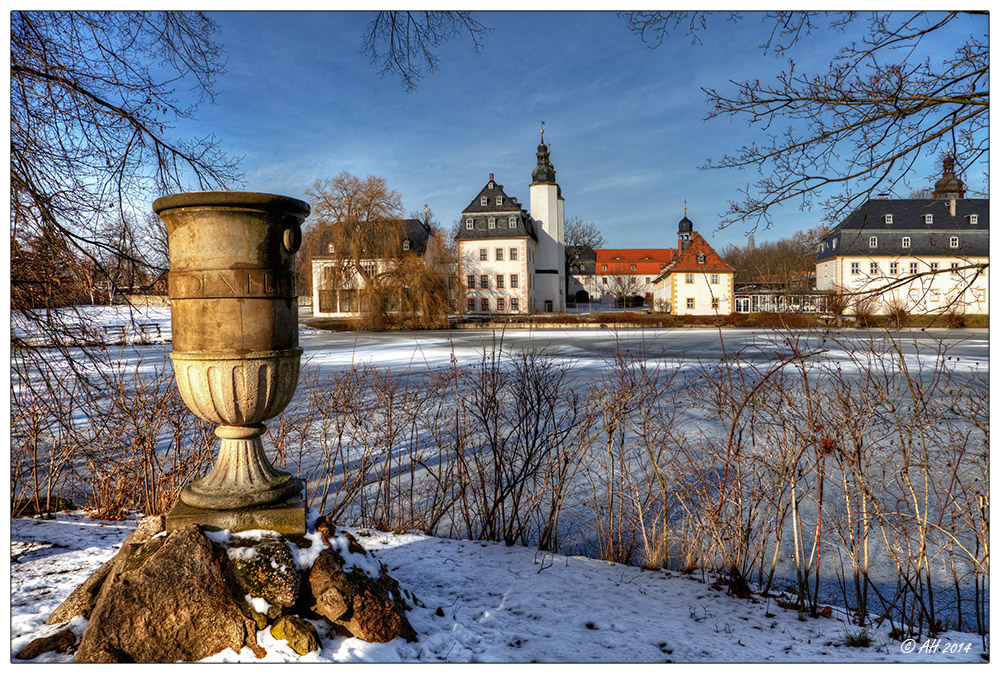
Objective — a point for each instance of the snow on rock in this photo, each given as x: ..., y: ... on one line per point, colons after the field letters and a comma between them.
x: 486, y: 602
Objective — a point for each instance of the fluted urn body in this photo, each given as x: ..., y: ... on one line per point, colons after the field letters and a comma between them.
x: 234, y: 315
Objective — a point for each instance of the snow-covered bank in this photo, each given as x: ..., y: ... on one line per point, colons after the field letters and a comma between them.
x: 485, y: 602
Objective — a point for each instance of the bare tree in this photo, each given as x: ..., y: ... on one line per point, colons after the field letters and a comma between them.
x: 404, y: 43
x: 787, y: 261
x: 859, y: 127
x: 91, y: 119
x: 623, y: 284
x: 580, y: 233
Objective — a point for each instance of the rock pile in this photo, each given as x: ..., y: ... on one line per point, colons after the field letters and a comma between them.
x: 191, y: 594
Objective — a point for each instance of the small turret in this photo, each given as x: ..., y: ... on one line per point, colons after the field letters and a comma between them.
x: 684, y: 229
x: 949, y: 186
x: 544, y: 172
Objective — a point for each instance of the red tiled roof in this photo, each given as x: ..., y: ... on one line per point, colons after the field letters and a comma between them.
x: 649, y: 261
x: 687, y: 259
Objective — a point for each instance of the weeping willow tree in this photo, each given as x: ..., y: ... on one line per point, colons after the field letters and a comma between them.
x: 374, y: 256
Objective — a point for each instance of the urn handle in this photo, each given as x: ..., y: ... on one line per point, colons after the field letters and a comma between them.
x: 293, y: 238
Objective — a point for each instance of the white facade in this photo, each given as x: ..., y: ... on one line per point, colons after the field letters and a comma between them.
x: 550, y: 272
x: 694, y: 293
x: 913, y: 283
x: 503, y: 281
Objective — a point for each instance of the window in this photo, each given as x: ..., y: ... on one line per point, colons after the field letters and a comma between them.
x: 513, y: 280
x: 471, y: 281
x: 690, y: 303
x: 689, y: 278
x: 499, y: 281
x: 913, y: 267
x: 647, y: 280
x: 954, y: 268
x: 604, y: 267
x: 979, y: 294
x: 513, y: 253
x: 484, y: 304
x: 484, y: 255
x: 953, y: 242
x: 905, y: 242
x: 835, y: 242
x: 500, y: 304
x: 499, y: 254
x: 492, y: 223
x: 512, y: 222
x: 855, y: 267
x: 973, y: 219
x: 468, y: 223
x: 893, y: 268
x: 888, y: 218
x: 914, y: 294
x: 605, y: 279
x: 928, y: 219
x: 935, y: 295
x: 472, y: 304
x: 499, y: 201
x: 714, y: 278
x: 715, y: 302
x: 484, y: 281
x: 406, y: 245
x: 631, y: 267
x: 873, y: 242
x: 934, y: 266
x: 515, y: 304
x: 873, y: 268
x: 484, y: 201
x: 701, y: 258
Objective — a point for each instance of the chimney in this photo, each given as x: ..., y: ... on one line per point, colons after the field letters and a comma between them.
x: 951, y: 206
x: 491, y: 177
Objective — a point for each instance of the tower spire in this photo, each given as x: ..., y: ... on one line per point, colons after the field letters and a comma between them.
x: 544, y: 172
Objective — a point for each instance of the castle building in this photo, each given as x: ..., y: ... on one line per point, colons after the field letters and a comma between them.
x: 510, y: 261
x: 696, y: 281
x: 918, y: 255
x: 337, y: 283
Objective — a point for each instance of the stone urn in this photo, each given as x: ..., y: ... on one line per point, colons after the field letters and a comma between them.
x: 234, y: 315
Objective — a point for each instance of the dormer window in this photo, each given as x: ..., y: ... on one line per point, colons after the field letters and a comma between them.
x: 905, y: 242
x: 484, y: 201
x: 490, y: 186
x: 888, y: 218
x: 873, y: 240
x: 492, y: 223
x: 834, y: 243
x: 973, y: 219
x: 330, y: 249
x: 499, y: 201
x: 953, y: 242
x: 701, y: 258
x: 512, y: 222
x: 928, y: 219
x: 406, y: 245
x: 631, y: 267
x: 468, y: 223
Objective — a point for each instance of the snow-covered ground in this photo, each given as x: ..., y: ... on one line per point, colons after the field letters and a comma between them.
x: 485, y: 602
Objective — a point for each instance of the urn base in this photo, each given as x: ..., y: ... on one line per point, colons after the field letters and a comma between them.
x: 288, y: 517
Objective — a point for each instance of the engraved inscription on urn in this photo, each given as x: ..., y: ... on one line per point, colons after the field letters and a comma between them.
x: 234, y: 310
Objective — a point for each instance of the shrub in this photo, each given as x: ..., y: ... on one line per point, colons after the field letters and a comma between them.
x: 955, y: 319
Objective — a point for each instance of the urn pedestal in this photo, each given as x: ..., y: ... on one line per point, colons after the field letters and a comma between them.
x: 234, y: 315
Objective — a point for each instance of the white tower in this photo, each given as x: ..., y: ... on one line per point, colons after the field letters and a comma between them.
x: 550, y: 256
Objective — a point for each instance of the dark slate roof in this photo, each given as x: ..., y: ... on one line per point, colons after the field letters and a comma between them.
x: 581, y: 260
x: 417, y: 233
x: 481, y: 213
x: 853, y: 233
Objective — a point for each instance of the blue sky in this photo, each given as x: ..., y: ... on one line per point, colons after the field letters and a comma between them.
x: 624, y: 122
